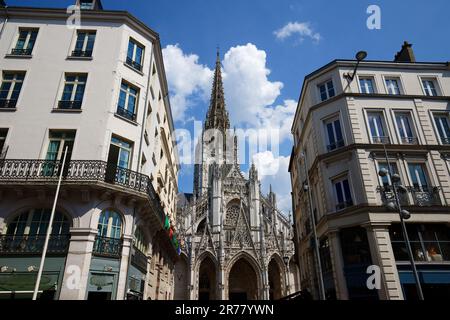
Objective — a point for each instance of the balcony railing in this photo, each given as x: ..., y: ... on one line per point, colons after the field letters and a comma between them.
x: 134, y: 64
x: 139, y: 259
x: 69, y: 105
x: 343, y: 205
x: 82, y: 53
x: 8, y: 104
x: 335, y: 145
x: 425, y: 196
x: 126, y: 113
x: 77, y: 171
x: 409, y: 140
x: 21, y: 52
x: 381, y: 140
x: 107, y: 247
x: 33, y: 244
x: 422, y: 197
x: 445, y: 140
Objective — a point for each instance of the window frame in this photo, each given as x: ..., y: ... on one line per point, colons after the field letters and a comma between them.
x: 399, y: 80
x: 332, y: 119
x: 13, y: 85
x: 412, y: 126
x: 83, y: 50
x: 72, y: 104
x: 124, y: 111
x: 340, y: 180
x: 327, y: 91
x: 435, y: 114
x: 131, y: 61
x: 27, y: 41
x: 384, y: 124
x: 367, y: 77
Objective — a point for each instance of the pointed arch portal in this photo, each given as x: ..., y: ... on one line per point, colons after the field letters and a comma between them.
x: 242, y: 281
x: 207, y: 280
x: 275, y: 281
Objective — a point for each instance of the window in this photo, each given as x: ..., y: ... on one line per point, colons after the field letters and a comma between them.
x: 58, y: 142
x: 405, y: 130
x: 110, y: 225
x: 3, y: 135
x: 343, y: 194
x: 85, y: 44
x: 429, y: 242
x: 139, y: 240
x: 366, y: 85
x: 429, y: 87
x: 386, y: 180
x: 326, y: 90
x: 417, y: 172
x: 10, y: 90
x: 392, y: 86
x: 74, y: 86
x: 125, y: 148
x: 376, y: 127
x: 334, y: 134
x: 35, y: 223
x: 128, y: 101
x: 25, y: 42
x: 443, y: 127
x: 87, y: 4
x: 135, y: 55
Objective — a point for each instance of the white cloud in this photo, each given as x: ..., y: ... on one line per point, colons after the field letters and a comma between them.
x: 188, y: 80
x: 274, y: 171
x: 302, y: 29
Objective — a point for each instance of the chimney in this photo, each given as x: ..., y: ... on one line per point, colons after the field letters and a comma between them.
x: 406, y: 54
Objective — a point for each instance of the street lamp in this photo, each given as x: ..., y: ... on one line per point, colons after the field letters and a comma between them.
x: 360, y: 56
x: 307, y: 189
x: 395, y: 184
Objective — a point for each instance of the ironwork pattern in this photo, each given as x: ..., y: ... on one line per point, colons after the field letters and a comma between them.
x: 422, y: 197
x: 33, y: 244
x: 107, y: 247
x: 139, y: 259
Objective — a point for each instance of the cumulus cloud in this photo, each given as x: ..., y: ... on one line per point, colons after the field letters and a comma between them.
x: 188, y: 80
x: 273, y: 171
x: 302, y: 29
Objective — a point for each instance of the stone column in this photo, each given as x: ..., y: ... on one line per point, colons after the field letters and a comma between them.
x: 123, y: 270
x: 78, y: 263
x: 338, y: 265
x: 266, y: 286
x: 383, y: 257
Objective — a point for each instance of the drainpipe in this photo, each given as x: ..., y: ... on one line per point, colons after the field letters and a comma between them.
x: 144, y: 117
x: 6, y: 21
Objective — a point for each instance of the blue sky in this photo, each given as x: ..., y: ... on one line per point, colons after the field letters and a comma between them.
x: 245, y: 31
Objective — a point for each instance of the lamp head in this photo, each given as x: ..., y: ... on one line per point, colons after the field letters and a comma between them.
x: 361, y: 55
x: 395, y: 178
x: 405, y: 214
x: 391, y: 206
x: 383, y: 172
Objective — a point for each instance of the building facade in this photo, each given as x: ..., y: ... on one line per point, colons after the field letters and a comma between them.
x: 96, y: 93
x: 342, y: 128
x: 236, y: 244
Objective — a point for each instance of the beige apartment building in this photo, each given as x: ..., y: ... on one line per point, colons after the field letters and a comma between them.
x: 341, y: 130
x: 99, y: 91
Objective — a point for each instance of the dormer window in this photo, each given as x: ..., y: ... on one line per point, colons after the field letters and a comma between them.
x: 326, y: 90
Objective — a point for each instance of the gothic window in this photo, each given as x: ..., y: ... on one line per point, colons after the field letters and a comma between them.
x: 232, y: 215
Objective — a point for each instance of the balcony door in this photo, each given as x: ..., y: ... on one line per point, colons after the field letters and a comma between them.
x: 58, y: 142
x: 419, y: 176
x: 119, y: 160
x: 404, y: 126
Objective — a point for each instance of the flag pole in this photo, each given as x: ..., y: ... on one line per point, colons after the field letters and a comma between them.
x: 49, y: 229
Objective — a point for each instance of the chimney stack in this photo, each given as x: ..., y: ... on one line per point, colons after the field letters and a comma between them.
x: 406, y: 54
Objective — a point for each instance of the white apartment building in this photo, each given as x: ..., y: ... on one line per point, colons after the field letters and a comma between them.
x: 99, y: 91
x: 341, y: 128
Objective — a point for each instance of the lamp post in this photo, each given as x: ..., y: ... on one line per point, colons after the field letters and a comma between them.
x: 288, y: 285
x: 394, y: 183
x: 360, y: 56
x: 313, y: 222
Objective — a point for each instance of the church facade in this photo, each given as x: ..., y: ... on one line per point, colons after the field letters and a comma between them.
x: 236, y: 244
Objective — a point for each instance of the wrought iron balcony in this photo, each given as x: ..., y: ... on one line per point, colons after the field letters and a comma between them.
x: 82, y: 53
x: 425, y: 196
x: 21, y: 52
x: 139, y: 259
x: 79, y: 171
x: 126, y: 113
x: 387, y: 196
x: 107, y: 247
x: 409, y: 140
x: 8, y: 104
x: 69, y: 105
x: 381, y: 140
x: 422, y: 197
x: 445, y: 140
x: 336, y: 145
x: 343, y: 205
x: 134, y: 64
x: 33, y: 244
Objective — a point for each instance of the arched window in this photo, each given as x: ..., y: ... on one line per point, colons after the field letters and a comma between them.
x: 35, y: 222
x: 232, y: 216
x: 110, y: 225
x: 139, y: 240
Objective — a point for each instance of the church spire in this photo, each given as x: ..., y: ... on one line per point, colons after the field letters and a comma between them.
x: 217, y: 116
